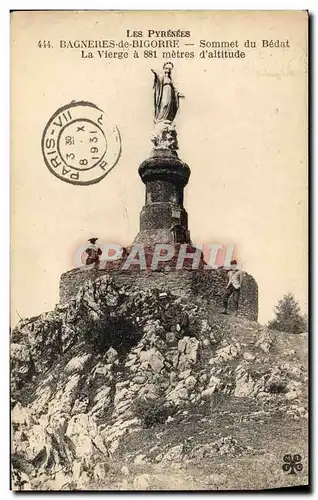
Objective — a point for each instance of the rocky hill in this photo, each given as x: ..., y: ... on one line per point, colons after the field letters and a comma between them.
x: 128, y: 389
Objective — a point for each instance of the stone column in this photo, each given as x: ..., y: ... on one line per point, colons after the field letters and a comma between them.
x: 163, y: 219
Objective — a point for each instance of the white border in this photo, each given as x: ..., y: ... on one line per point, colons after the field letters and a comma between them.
x: 4, y: 184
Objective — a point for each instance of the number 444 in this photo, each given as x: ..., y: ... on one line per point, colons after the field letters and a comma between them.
x: 44, y: 44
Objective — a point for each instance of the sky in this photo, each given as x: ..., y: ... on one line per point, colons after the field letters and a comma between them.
x: 242, y: 129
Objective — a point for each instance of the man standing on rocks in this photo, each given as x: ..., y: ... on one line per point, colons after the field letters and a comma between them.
x: 233, y: 287
x: 93, y: 252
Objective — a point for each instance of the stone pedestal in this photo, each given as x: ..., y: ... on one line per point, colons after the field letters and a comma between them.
x: 163, y: 219
x: 165, y: 177
x: 203, y: 285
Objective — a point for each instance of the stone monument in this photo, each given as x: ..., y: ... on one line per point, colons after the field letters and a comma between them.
x: 164, y: 220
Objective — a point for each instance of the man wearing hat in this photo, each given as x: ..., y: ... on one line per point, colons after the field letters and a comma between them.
x: 93, y: 252
x: 233, y: 287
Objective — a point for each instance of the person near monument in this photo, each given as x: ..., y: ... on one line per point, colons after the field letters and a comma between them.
x: 93, y: 252
x: 233, y: 287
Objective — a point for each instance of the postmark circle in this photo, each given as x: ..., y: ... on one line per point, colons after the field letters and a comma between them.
x: 77, y: 147
x: 78, y: 144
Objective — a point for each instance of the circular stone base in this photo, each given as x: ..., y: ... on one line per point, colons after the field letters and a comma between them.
x: 204, y: 284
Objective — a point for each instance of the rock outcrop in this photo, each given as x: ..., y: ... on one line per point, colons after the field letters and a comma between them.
x: 100, y: 371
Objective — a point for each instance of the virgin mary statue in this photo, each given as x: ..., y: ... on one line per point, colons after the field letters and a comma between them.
x: 166, y: 96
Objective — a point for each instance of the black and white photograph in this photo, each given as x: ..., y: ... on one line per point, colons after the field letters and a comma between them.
x: 159, y: 250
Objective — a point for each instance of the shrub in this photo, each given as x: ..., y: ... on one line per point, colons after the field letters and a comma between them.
x: 153, y: 411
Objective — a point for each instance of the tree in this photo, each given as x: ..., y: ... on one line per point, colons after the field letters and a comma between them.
x: 288, y: 317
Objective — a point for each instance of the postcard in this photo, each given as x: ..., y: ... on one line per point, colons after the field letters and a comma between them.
x: 159, y: 269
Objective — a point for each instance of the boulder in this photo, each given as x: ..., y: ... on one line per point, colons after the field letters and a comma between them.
x: 83, y: 433
x: 20, y: 414
x: 66, y: 395
x: 185, y: 374
x: 227, y: 353
x: 178, y: 396
x: 190, y: 382
x: 244, y: 383
x: 156, y: 361
x: 30, y: 442
x: 153, y: 358
x: 207, y: 393
x: 77, y: 364
x: 188, y: 346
